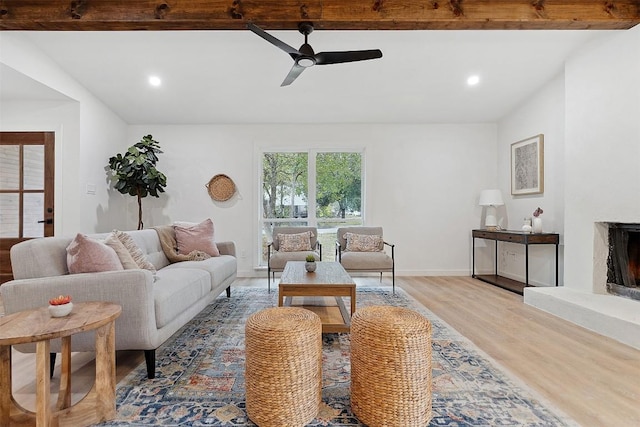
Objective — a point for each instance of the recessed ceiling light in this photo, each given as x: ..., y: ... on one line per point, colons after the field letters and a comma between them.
x: 473, y: 80
x: 155, y: 81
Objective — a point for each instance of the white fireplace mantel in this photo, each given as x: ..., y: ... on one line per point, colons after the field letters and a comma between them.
x: 610, y: 315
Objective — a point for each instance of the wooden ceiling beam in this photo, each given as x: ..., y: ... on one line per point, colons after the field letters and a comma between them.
x: 118, y: 15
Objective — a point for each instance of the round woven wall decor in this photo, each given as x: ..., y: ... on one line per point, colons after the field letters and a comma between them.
x: 221, y: 188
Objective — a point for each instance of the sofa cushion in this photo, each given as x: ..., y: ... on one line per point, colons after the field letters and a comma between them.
x: 198, y: 237
x: 279, y: 259
x: 366, y: 261
x: 87, y: 255
x: 177, y: 289
x: 219, y: 268
x: 136, y: 253
x: 149, y: 243
x: 295, y: 242
x: 364, y: 242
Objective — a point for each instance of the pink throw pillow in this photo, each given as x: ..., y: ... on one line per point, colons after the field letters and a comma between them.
x: 197, y: 237
x: 87, y: 255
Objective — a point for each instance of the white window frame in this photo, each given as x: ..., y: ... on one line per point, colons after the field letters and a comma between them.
x: 311, y: 220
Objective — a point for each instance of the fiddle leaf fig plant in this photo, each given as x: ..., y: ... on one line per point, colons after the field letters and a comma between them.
x: 135, y: 173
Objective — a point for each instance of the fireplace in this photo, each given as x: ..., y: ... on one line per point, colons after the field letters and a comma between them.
x: 623, y: 263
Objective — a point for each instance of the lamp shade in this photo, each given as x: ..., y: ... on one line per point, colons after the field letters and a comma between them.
x: 491, y: 198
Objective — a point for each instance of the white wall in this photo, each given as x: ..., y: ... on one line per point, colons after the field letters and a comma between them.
x: 86, y: 131
x: 602, y: 166
x: 602, y: 183
x: 590, y: 118
x: 422, y: 183
x: 543, y: 113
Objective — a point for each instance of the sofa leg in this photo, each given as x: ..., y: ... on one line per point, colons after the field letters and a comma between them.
x: 268, y: 280
x: 229, y: 292
x: 150, y: 359
x: 52, y: 363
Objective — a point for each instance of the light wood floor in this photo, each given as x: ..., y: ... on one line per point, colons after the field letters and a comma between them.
x: 593, y: 379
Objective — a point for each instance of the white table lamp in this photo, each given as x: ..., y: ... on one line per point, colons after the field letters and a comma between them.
x: 491, y: 199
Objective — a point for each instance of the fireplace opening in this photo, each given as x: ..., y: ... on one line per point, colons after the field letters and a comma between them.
x: 623, y: 264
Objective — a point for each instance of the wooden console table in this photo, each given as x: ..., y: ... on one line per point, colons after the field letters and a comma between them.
x: 37, y: 326
x: 520, y: 237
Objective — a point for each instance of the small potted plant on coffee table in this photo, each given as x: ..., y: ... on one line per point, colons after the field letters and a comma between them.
x: 310, y: 263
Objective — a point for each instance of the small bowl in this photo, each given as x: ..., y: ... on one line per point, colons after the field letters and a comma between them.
x: 60, y: 310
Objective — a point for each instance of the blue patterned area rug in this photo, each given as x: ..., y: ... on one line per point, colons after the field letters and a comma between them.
x: 200, y: 374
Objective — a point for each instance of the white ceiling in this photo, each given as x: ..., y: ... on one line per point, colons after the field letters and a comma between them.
x: 234, y: 76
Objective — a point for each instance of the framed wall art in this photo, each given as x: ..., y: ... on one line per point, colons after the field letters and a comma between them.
x: 527, y: 166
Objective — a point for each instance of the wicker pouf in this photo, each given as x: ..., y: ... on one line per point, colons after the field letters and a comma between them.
x: 391, y: 367
x: 283, y: 369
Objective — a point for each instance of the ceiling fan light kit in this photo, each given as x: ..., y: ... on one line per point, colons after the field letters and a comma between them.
x: 305, y: 57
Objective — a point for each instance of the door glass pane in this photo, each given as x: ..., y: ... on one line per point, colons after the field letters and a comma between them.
x: 9, y: 167
x: 33, y: 167
x: 33, y: 212
x: 9, y: 215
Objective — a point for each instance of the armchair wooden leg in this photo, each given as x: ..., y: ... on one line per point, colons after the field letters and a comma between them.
x: 269, y: 280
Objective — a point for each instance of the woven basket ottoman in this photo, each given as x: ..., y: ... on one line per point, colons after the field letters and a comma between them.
x: 283, y: 367
x: 391, y: 367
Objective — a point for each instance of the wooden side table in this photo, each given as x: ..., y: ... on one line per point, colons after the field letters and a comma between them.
x: 37, y: 326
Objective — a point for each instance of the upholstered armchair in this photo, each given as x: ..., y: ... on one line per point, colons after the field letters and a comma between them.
x: 362, y: 249
x: 291, y: 244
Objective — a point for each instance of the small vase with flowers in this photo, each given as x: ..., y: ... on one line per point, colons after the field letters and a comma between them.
x: 536, y: 225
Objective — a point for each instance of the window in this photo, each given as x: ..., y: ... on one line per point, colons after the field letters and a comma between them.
x: 315, y: 188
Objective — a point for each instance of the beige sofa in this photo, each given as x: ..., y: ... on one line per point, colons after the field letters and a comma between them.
x: 153, y: 308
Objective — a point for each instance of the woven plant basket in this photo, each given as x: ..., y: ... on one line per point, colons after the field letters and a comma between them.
x: 283, y: 366
x: 221, y: 188
x: 391, y: 367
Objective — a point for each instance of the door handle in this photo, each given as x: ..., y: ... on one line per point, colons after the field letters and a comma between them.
x: 46, y: 221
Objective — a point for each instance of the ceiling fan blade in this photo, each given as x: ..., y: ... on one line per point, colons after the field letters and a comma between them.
x: 324, y: 58
x: 274, y: 41
x: 295, y: 71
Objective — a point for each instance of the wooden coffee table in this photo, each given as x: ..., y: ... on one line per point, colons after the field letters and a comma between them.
x: 329, y: 280
x: 37, y: 326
